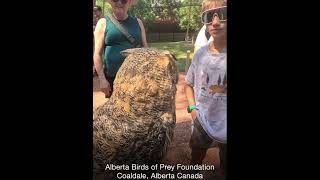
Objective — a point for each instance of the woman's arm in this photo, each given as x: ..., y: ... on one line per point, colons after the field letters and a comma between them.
x: 143, y: 34
x: 97, y: 56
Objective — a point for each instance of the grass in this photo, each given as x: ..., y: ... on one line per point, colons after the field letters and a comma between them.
x: 178, y: 49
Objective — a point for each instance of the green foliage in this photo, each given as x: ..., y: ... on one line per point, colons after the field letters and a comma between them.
x: 166, y: 9
x: 172, y: 10
x: 143, y: 11
x: 105, y: 5
x: 195, y: 20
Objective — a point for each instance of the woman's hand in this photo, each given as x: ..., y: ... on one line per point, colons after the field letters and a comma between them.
x: 105, y: 87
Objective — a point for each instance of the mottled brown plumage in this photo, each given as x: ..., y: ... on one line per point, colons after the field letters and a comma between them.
x: 136, y: 124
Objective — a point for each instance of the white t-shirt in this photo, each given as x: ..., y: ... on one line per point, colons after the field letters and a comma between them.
x: 207, y: 75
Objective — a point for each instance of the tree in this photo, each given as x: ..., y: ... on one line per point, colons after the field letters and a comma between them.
x: 106, y: 7
x: 189, y: 14
x: 166, y: 9
x: 143, y: 11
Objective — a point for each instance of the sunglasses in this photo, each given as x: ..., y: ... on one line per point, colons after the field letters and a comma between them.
x: 122, y: 1
x: 207, y: 16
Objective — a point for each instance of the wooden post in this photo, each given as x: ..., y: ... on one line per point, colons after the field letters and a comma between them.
x: 192, y: 40
x: 188, y: 61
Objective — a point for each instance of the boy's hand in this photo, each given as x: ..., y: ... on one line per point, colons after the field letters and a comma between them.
x: 194, y: 114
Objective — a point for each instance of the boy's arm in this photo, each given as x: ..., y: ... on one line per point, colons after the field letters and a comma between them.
x: 188, y: 88
x: 191, y: 101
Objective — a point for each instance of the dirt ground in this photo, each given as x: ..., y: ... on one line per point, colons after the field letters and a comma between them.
x: 179, y: 151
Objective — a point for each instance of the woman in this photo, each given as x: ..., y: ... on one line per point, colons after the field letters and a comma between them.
x: 111, y: 41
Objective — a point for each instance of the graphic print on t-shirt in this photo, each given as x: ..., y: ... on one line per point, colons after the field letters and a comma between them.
x: 220, y: 87
x: 214, y: 81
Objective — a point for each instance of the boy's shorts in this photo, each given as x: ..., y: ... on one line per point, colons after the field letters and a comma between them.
x: 199, y: 137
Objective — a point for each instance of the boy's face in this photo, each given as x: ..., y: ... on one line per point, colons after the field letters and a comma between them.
x: 215, y: 19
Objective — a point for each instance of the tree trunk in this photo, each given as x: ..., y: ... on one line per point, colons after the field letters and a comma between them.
x: 192, y: 39
x: 103, y: 8
x: 189, y: 19
x: 187, y: 34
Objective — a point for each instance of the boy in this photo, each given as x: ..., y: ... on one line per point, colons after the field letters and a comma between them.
x: 206, y: 87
